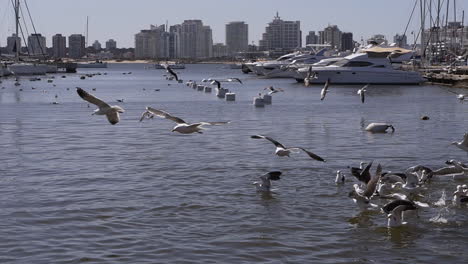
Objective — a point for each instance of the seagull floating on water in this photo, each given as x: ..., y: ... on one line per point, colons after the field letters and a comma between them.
x: 182, y: 126
x: 379, y: 127
x: 265, y: 185
x: 340, y: 178
x: 111, y: 112
x: 282, y: 151
x: 395, y: 211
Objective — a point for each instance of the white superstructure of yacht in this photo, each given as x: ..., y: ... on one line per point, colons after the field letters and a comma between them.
x: 372, y: 65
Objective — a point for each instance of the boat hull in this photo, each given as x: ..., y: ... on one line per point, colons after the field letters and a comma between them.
x: 28, y: 69
x: 92, y: 65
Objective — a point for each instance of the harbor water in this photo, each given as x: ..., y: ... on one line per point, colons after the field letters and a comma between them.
x: 75, y: 189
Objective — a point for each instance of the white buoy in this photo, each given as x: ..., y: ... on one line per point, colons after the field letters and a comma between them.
x: 267, y: 99
x: 230, y: 96
x: 221, y: 93
x: 207, y: 89
x: 258, y: 102
x: 200, y: 87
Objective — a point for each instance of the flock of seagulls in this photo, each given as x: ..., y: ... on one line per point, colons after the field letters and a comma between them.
x: 405, y: 189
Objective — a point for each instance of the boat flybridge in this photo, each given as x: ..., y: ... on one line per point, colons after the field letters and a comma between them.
x: 374, y: 65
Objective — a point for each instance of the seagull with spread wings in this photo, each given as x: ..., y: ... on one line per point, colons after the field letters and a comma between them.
x: 265, y: 185
x: 273, y: 90
x: 182, y: 126
x: 111, y: 112
x: 462, y: 144
x: 171, y: 72
x: 282, y: 151
x: 361, y: 92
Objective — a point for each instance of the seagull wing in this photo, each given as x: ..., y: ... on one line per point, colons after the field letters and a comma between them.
x: 145, y: 114
x: 273, y: 175
x: 324, y: 90
x: 312, y: 155
x: 113, y: 117
x: 169, y: 70
x: 365, y: 174
x: 234, y: 79
x: 372, y: 184
x: 395, y: 203
x: 166, y: 115
x: 91, y: 98
x: 277, y: 144
x: 217, y: 83
x: 465, y: 140
x: 214, y: 123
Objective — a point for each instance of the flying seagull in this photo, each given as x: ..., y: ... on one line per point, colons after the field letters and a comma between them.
x: 273, y: 90
x: 111, y: 112
x: 460, y: 97
x: 309, y: 76
x: 265, y: 185
x: 182, y: 126
x: 361, y: 92
x: 462, y: 144
x: 324, y: 89
x: 171, y: 72
x: 282, y: 151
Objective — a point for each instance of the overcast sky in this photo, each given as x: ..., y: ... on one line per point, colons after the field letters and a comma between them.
x: 122, y: 19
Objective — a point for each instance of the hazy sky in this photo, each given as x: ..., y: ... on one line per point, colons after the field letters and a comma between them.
x: 122, y: 19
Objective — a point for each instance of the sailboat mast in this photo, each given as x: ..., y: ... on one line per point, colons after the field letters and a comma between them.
x: 17, y: 29
x: 87, y: 20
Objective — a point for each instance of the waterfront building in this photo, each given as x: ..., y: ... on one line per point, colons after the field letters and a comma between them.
x: 400, y: 40
x: 174, y: 41
x: 59, y: 46
x: 311, y: 38
x: 347, y: 42
x: 152, y: 43
x: 237, y: 37
x: 37, y: 44
x: 195, y: 39
x: 11, y: 43
x: 331, y: 35
x: 97, y: 45
x: 76, y: 46
x: 280, y: 34
x: 220, y: 50
x: 111, y: 44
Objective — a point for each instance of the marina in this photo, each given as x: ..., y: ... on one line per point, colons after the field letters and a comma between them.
x: 162, y: 196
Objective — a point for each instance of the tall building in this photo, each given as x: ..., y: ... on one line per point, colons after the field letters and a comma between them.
x: 237, y: 37
x: 76, y: 46
x: 400, y: 40
x: 174, y: 41
x: 37, y: 44
x: 347, y: 42
x: 59, y: 46
x: 311, y: 38
x: 111, y: 44
x: 152, y: 43
x: 331, y: 35
x: 280, y: 34
x: 220, y: 50
x: 195, y: 40
x: 11, y: 43
x: 97, y: 45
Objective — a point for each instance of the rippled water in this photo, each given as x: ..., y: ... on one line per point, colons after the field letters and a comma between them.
x: 76, y: 189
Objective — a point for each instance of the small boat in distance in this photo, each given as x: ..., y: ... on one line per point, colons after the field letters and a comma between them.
x: 94, y: 64
x: 175, y: 66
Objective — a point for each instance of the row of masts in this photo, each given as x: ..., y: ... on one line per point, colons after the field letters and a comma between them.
x: 435, y: 50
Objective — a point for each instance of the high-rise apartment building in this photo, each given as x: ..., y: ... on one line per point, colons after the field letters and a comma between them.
x: 280, y: 34
x: 331, y: 35
x: 152, y: 43
x: 37, y: 44
x: 59, y: 46
x: 311, y: 38
x: 12, y: 47
x: 76, y: 46
x: 347, y: 42
x: 111, y: 44
x: 97, y: 45
x: 195, y: 40
x: 237, y: 37
x: 400, y: 40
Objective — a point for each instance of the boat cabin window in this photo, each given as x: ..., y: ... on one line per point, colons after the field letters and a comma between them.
x: 347, y: 63
x: 379, y: 66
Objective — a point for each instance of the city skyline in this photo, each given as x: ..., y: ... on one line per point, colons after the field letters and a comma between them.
x: 105, y: 18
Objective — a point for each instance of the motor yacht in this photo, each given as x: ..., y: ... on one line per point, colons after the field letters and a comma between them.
x: 375, y: 66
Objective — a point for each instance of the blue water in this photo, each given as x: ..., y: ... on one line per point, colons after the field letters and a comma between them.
x: 76, y: 189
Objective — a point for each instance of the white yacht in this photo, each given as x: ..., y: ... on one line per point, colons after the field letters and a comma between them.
x: 368, y: 66
x: 256, y: 67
